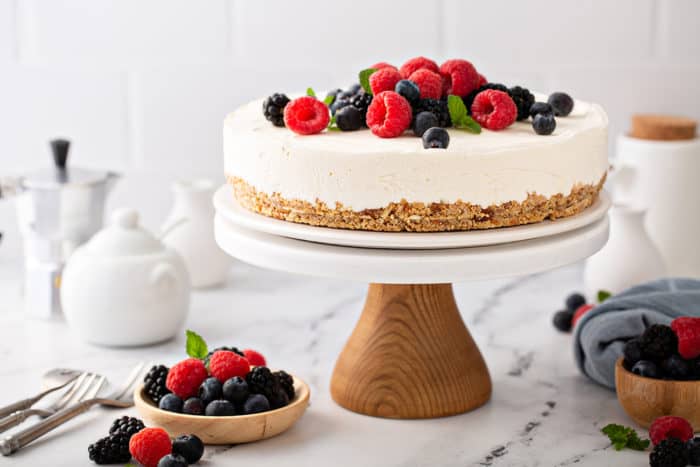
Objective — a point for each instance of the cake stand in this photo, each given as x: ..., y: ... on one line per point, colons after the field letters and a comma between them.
x: 410, y: 355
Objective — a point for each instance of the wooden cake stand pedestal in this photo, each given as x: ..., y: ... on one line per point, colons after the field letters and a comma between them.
x: 410, y: 355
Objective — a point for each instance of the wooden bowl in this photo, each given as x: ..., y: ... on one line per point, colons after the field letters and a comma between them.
x: 646, y: 399
x: 226, y: 430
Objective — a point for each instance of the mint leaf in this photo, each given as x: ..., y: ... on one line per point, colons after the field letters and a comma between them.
x: 470, y: 125
x: 328, y: 100
x: 637, y: 444
x: 603, y: 295
x: 196, y: 346
x: 310, y: 92
x: 456, y: 107
x: 624, y: 437
x: 331, y: 125
x: 364, y: 79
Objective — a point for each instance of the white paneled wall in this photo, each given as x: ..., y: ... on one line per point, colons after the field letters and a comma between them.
x: 142, y: 86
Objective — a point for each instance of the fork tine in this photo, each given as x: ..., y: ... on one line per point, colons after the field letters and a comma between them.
x: 130, y: 380
x: 85, y: 387
x: 68, y: 395
x: 96, y: 388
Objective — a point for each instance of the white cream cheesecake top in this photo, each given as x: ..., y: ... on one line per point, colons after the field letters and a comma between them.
x: 363, y: 171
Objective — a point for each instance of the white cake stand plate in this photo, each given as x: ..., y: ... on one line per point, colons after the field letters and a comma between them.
x: 410, y: 355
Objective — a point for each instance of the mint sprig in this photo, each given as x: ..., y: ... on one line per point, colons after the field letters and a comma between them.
x: 328, y: 100
x: 459, y: 116
x: 196, y: 347
x: 624, y: 437
x: 310, y: 92
x: 364, y: 79
x: 332, y: 126
x: 603, y: 295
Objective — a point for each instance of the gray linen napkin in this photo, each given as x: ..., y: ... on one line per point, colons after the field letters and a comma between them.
x: 601, y: 333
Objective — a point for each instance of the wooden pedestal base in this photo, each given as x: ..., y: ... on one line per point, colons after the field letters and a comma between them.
x: 410, y: 356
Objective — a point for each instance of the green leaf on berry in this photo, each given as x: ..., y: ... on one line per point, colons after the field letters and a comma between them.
x: 624, y: 437
x: 603, y: 295
x: 328, y: 100
x: 364, y: 79
x: 196, y: 346
x: 310, y: 92
x: 332, y: 125
x: 470, y: 125
x: 459, y: 116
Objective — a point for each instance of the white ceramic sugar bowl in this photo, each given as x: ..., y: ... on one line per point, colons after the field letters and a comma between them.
x: 124, y: 287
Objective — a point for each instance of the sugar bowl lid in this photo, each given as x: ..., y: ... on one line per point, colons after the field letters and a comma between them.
x: 123, y: 237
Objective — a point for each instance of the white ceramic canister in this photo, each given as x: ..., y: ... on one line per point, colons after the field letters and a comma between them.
x: 124, y: 287
x: 663, y: 177
x: 189, y: 229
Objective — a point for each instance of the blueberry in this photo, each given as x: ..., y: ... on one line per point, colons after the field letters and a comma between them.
x: 193, y: 406
x: 339, y: 103
x: 354, y: 88
x: 646, y: 368
x: 674, y: 367
x: 562, y: 103
x: 220, y: 408
x: 172, y: 460
x: 540, y: 108
x: 256, y: 403
x: 575, y: 301
x: 280, y: 399
x: 349, y: 118
x: 236, y: 390
x: 346, y: 94
x: 694, y: 451
x: 544, y: 124
x: 334, y: 93
x: 436, y: 137
x: 633, y: 352
x: 210, y: 390
x: 188, y: 446
x: 562, y: 320
x: 409, y: 90
x: 424, y: 120
x: 171, y: 403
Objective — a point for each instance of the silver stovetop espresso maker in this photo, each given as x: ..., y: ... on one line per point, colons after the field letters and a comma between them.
x: 58, y: 209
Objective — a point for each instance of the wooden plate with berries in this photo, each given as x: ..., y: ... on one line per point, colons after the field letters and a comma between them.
x: 233, y: 429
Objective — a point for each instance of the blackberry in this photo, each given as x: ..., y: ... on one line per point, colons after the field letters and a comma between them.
x: 126, y: 425
x: 670, y: 452
x: 659, y: 342
x: 230, y: 349
x: 280, y: 400
x: 469, y: 98
x: 435, y: 107
x: 523, y: 99
x: 113, y: 449
x: 286, y: 382
x: 154, y: 383
x: 694, y: 451
x: 633, y: 352
x: 262, y: 381
x: 273, y: 108
x: 361, y: 102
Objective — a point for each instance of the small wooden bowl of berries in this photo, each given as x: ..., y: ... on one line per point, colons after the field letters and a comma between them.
x: 660, y: 373
x: 225, y: 396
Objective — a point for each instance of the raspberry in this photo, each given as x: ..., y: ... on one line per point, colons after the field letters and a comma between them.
x: 384, y: 80
x: 459, y: 77
x: 417, y: 63
x: 429, y: 83
x: 380, y: 65
x: 670, y: 427
x: 149, y: 445
x: 254, y: 357
x: 482, y: 80
x: 494, y: 110
x: 224, y: 365
x: 389, y: 115
x: 578, y: 314
x: 306, y: 115
x: 688, y: 331
x: 185, y: 377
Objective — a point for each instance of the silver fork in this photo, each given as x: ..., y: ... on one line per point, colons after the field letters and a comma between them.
x: 122, y: 398
x: 75, y: 393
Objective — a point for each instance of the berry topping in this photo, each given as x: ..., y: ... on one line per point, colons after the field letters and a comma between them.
x: 384, y: 79
x: 646, y: 369
x: 236, y: 390
x: 409, y: 90
x: 494, y: 110
x: 436, y: 107
x: 574, y: 301
x: 523, y: 101
x: 190, y: 447
x: 306, y: 115
x: 172, y: 460
x: 185, y: 377
x: 436, y: 138
x: 562, y: 104
x: 254, y: 357
x: 280, y: 399
x: 688, y: 331
x: 632, y: 352
x: 658, y: 342
x: 482, y: 80
x: 150, y: 445
x: 154, y: 382
x: 349, y: 118
x: 220, y: 408
x: 211, y: 389
x: 286, y: 383
x: 224, y: 365
x: 262, y: 381
x: 230, y: 349
x: 578, y: 314
x: 273, y: 108
x: 540, y: 108
x: 126, y: 425
x: 459, y: 77
x: 361, y: 102
x: 339, y: 103
x: 562, y: 320
x: 423, y: 121
x: 670, y: 452
x: 171, y: 403
x: 429, y: 83
x: 256, y: 403
x: 670, y: 427
x: 544, y: 124
x: 417, y: 63
x: 469, y: 98
x: 193, y: 406
x: 389, y: 115
x: 380, y: 65
x: 113, y: 449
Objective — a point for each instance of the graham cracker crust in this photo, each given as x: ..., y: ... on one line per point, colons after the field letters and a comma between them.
x: 417, y: 216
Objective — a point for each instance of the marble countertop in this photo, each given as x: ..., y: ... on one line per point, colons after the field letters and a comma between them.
x: 542, y: 413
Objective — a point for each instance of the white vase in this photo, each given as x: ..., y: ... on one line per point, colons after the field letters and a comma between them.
x: 189, y: 230
x: 629, y: 258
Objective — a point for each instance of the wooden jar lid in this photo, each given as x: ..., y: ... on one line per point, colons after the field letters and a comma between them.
x: 662, y: 127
